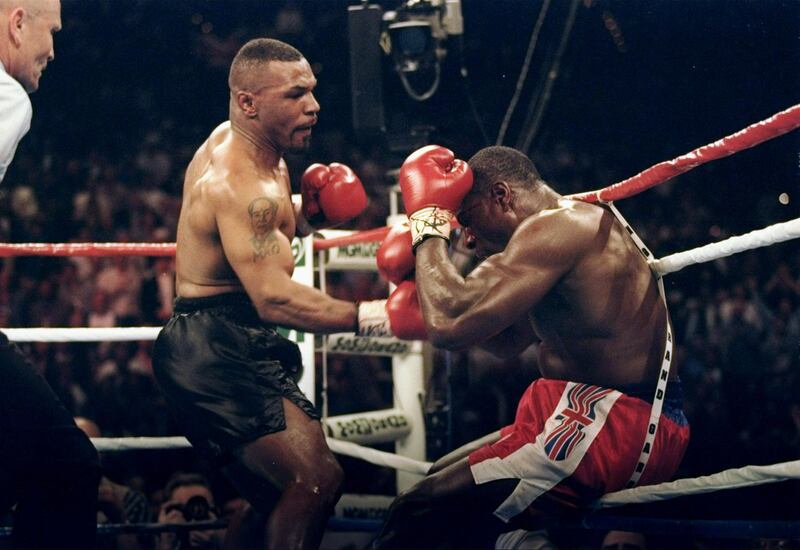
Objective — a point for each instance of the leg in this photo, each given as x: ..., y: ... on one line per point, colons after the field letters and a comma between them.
x: 50, y: 468
x: 298, y: 462
x: 445, y: 506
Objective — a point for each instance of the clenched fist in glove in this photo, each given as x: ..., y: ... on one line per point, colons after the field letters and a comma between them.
x: 398, y: 316
x: 433, y: 183
x: 331, y: 194
x: 395, y: 257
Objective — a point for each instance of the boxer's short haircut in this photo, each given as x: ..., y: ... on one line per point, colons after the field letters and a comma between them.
x: 498, y: 163
x: 257, y: 52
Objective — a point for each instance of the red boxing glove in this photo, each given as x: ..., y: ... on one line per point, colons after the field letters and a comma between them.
x: 399, y: 316
x: 405, y: 315
x: 331, y: 195
x: 395, y: 257
x: 433, y: 183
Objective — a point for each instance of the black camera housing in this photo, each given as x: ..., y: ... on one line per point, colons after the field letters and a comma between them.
x: 197, y: 508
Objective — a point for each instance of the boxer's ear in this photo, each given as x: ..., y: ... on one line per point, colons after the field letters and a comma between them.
x: 501, y: 194
x: 245, y: 102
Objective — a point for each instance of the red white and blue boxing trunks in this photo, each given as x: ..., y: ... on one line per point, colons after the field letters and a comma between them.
x: 575, y: 442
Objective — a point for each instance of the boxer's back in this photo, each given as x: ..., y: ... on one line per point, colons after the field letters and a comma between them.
x: 604, y: 321
x: 201, y: 267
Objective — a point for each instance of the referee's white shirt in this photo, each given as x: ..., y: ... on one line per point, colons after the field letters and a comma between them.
x: 15, y: 117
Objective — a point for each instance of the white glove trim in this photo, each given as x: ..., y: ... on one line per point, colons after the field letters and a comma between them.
x: 431, y: 221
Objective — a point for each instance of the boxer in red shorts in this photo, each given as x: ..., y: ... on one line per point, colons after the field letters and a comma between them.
x: 568, y: 275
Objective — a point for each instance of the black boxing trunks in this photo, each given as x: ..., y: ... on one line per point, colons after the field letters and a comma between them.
x: 224, y: 373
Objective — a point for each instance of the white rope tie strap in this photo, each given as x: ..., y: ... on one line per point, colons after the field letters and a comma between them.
x: 666, y: 360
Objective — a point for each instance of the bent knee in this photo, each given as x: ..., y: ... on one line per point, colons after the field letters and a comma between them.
x: 323, y: 484
x: 332, y: 479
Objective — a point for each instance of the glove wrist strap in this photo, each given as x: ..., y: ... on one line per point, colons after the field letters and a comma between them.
x: 431, y: 221
x: 372, y: 319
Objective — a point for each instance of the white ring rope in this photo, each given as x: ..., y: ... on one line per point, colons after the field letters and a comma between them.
x: 373, y: 456
x: 380, y: 458
x: 735, y: 478
x: 755, y: 239
x: 112, y: 334
x: 114, y: 444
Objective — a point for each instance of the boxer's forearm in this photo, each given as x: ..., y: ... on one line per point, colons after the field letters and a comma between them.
x: 305, y: 308
x: 445, y: 296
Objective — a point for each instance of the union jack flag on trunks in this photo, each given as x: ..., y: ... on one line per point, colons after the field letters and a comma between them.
x: 573, y: 419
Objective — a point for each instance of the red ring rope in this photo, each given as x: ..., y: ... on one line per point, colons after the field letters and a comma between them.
x: 774, y: 126
x: 368, y: 236
x: 87, y: 249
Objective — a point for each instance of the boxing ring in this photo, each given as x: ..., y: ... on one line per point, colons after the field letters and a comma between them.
x: 403, y: 423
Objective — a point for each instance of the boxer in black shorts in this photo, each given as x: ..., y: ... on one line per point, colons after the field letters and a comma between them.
x: 228, y: 376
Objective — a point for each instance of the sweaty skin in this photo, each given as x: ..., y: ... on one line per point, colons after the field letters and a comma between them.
x: 560, y: 270
x: 237, y: 218
x: 211, y: 188
x: 234, y: 234
x: 569, y: 275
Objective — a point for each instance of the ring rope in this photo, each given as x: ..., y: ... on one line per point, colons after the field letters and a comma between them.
x: 368, y: 236
x: 159, y: 249
x: 348, y: 448
x: 735, y: 478
x: 81, y: 334
x: 86, y: 249
x: 774, y: 126
x: 755, y: 239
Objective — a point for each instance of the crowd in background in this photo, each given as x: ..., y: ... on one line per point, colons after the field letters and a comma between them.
x: 736, y: 321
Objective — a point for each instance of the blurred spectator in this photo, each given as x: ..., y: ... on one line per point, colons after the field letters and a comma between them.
x: 189, y: 498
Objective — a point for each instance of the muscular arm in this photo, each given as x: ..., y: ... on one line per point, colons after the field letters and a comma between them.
x: 261, y: 256
x: 512, y: 340
x: 460, y: 311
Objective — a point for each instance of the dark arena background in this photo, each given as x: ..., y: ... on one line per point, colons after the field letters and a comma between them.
x: 611, y: 88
